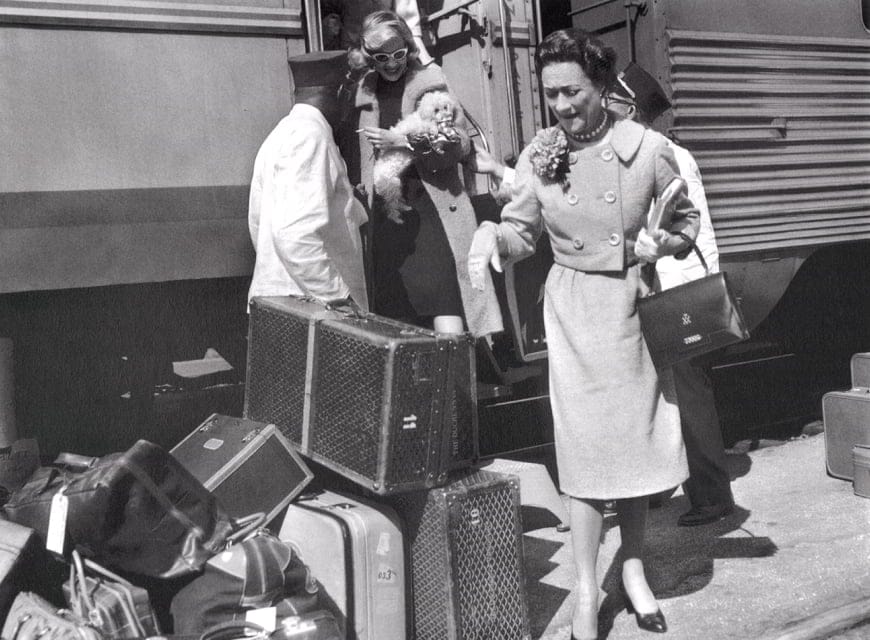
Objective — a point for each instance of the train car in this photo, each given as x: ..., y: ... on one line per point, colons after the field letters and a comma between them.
x: 129, y: 131
x: 773, y: 100
x: 131, y: 127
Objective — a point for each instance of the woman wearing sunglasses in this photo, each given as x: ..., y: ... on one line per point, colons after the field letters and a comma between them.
x: 418, y: 269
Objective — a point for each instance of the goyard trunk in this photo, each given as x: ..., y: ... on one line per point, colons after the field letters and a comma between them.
x: 370, y: 398
x: 355, y: 550
x: 230, y: 455
x: 846, y: 415
x: 466, y: 553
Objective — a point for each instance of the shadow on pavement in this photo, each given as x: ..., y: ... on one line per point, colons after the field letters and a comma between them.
x: 680, y: 560
x: 544, y: 599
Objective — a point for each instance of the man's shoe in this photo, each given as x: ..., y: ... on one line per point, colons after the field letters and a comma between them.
x: 706, y: 514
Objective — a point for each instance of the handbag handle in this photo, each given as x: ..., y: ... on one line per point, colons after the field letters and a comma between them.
x: 79, y: 594
x: 693, y: 246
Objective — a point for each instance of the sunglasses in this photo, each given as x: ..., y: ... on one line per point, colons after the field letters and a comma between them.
x: 398, y: 55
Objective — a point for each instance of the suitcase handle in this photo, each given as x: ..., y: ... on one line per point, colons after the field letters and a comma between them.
x: 245, y: 526
x: 346, y: 306
x: 233, y: 629
x: 75, y: 461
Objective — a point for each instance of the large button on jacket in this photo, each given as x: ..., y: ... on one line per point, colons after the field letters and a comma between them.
x: 614, y: 194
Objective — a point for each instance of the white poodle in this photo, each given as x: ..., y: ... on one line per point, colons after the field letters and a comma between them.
x: 429, y: 130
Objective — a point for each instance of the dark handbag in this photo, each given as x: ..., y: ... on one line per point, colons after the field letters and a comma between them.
x: 34, y: 618
x: 114, y: 606
x: 691, y: 319
x: 257, y: 571
x: 138, y: 512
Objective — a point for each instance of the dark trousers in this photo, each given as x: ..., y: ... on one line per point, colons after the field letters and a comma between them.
x: 709, y: 482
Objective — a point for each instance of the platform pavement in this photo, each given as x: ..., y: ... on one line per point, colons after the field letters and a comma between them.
x: 796, y: 546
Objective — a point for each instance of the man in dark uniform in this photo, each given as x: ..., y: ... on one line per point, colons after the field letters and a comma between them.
x: 638, y: 96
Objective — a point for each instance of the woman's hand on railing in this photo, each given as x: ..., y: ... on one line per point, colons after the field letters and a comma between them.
x: 483, y: 162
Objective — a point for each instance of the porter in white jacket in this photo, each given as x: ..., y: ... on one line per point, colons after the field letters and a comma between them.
x: 303, y: 217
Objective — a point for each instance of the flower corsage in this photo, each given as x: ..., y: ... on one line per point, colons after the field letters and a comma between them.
x: 549, y: 156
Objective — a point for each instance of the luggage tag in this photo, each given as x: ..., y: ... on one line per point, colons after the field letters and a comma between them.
x: 55, y: 537
x: 266, y: 617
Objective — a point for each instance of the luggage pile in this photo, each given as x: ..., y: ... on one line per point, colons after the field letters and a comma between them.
x: 396, y: 534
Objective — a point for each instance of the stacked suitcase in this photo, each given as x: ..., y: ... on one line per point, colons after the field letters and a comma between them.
x: 846, y: 415
x: 426, y: 546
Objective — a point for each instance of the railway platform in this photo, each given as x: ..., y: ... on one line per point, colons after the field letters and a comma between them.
x: 791, y: 563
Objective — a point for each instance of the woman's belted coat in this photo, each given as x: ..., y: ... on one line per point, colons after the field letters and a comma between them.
x: 441, y: 176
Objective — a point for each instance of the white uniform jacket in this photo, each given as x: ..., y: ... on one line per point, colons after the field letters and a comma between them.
x: 671, y: 271
x: 303, y: 217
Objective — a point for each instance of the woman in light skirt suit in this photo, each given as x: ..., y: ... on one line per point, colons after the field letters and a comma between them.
x: 588, y: 182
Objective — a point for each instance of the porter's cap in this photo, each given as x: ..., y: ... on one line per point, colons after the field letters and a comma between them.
x: 319, y: 69
x: 638, y: 85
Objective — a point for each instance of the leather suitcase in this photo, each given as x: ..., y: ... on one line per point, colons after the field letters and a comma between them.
x: 20, y: 555
x: 355, y: 551
x: 116, y: 607
x: 230, y: 456
x: 860, y: 368
x: 368, y: 397
x: 846, y: 415
x: 467, y: 573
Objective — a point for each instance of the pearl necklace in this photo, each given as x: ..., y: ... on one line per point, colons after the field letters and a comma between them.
x: 591, y: 135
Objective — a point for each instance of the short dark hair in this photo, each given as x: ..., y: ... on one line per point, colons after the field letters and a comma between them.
x: 575, y: 45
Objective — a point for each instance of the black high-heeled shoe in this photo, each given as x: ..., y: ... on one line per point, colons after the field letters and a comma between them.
x: 654, y: 622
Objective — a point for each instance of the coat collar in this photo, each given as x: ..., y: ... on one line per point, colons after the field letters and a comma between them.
x: 626, y: 137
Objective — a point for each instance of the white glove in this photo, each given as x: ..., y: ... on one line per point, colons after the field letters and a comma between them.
x: 650, y: 246
x: 483, y: 253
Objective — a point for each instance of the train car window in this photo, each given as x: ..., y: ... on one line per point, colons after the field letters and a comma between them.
x: 865, y: 13
x: 335, y: 24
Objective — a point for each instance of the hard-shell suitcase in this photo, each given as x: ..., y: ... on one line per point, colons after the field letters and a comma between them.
x: 465, y: 540
x: 355, y: 550
x: 230, y: 457
x: 20, y: 552
x: 860, y: 369
x: 367, y: 397
x: 846, y: 415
